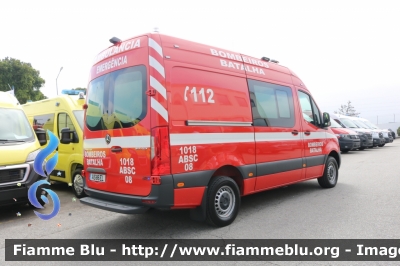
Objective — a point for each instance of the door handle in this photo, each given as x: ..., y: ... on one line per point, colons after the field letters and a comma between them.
x: 295, y: 132
x: 307, y: 133
x: 116, y: 149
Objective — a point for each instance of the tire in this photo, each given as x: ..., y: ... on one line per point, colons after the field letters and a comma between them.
x: 331, y: 174
x: 77, y: 183
x: 223, y: 201
x: 381, y: 145
x: 361, y: 148
x: 345, y: 151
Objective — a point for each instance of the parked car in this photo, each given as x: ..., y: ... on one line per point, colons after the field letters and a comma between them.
x: 392, y: 133
x: 365, y: 134
x: 386, y: 133
x: 377, y: 134
x: 348, y: 139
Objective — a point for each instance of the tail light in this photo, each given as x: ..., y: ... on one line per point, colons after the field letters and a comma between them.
x: 160, y: 152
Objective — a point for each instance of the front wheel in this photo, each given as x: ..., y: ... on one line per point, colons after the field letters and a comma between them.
x: 77, y: 183
x: 223, y: 201
x: 331, y: 174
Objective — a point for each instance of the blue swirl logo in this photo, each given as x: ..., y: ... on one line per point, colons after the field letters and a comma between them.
x: 38, y: 166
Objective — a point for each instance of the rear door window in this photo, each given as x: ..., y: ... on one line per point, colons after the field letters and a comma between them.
x: 117, y: 99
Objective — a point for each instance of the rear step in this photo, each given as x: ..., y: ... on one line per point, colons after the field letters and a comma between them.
x: 112, y: 206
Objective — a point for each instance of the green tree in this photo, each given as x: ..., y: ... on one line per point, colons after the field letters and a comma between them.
x: 23, y: 77
x: 347, y: 109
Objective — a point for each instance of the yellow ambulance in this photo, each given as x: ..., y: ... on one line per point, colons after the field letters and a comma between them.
x: 19, y: 147
x: 63, y: 115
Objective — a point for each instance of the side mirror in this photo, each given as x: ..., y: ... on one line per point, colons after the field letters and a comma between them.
x: 326, y: 119
x: 68, y: 136
x: 41, y: 135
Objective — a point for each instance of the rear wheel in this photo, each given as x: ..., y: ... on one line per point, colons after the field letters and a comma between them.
x: 331, y: 174
x: 361, y: 148
x: 223, y: 201
x: 345, y: 151
x: 77, y: 183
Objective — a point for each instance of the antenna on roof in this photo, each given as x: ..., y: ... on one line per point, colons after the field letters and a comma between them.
x: 156, y: 29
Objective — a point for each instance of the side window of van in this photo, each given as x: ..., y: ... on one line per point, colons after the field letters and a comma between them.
x: 309, y: 109
x: 64, y: 121
x: 45, y: 122
x: 272, y: 105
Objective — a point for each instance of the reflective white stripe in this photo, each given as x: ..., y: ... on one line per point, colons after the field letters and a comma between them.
x: 218, y: 123
x: 123, y: 142
x: 330, y: 136
x: 159, y: 108
x: 158, y: 87
x: 277, y: 136
x: 156, y: 65
x: 210, y: 138
x: 153, y: 44
x: 196, y: 138
x: 315, y: 135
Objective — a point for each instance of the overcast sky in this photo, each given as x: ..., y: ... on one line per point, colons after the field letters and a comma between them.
x: 342, y: 50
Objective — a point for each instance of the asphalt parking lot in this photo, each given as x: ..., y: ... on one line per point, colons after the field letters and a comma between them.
x: 363, y: 205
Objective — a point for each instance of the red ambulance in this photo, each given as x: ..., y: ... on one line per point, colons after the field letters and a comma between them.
x: 174, y: 124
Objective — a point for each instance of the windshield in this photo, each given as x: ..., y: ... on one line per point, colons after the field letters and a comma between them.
x: 335, y: 124
x: 117, y: 99
x: 14, y: 126
x: 361, y: 124
x: 79, y: 117
x: 348, y: 123
x: 370, y: 124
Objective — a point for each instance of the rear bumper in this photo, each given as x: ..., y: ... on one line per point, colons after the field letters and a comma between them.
x: 160, y: 197
x: 17, y: 192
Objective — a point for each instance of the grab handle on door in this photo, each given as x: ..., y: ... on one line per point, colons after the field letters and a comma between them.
x: 307, y: 133
x: 116, y: 149
x: 295, y: 132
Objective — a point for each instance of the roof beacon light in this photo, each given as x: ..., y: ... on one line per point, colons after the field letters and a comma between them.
x: 274, y: 61
x: 265, y: 59
x: 115, y: 40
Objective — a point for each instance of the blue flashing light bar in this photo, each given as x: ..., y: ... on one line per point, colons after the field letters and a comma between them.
x: 73, y: 92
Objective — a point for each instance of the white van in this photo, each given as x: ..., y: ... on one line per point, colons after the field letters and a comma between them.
x: 386, y: 133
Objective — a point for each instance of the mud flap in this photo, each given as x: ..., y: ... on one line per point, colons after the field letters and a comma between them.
x: 199, y: 213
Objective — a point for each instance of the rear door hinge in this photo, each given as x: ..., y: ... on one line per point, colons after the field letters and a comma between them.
x: 151, y: 92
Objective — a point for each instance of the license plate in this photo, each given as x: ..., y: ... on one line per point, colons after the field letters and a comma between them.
x: 98, y: 177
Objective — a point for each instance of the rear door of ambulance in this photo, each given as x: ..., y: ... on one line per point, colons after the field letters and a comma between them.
x: 117, y: 120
